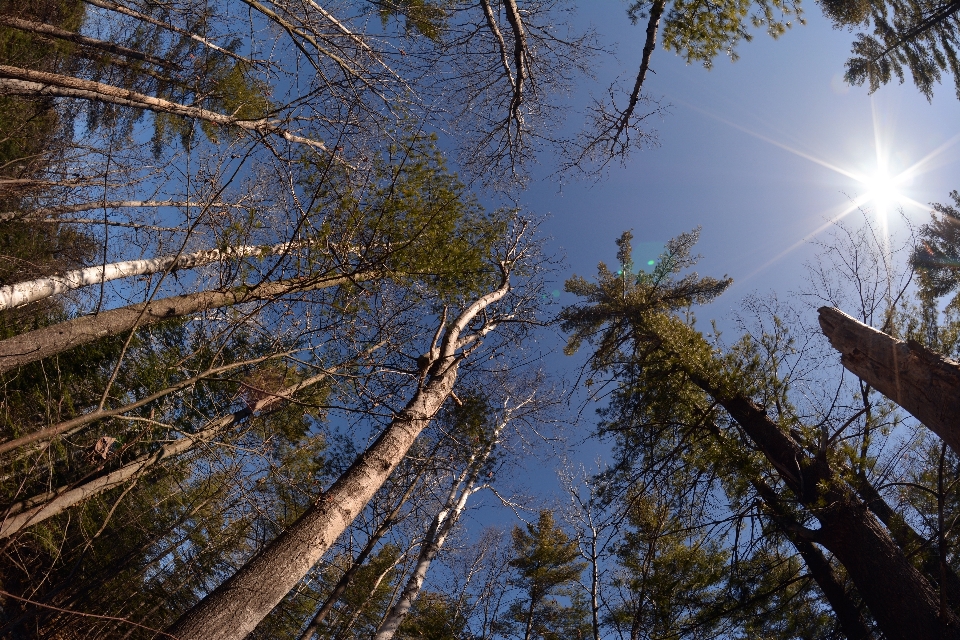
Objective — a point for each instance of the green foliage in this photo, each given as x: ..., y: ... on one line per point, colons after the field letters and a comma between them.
x: 433, y: 616
x: 414, y: 219
x: 423, y: 16
x: 672, y: 577
x: 622, y: 301
x: 547, y: 567
x: 701, y: 30
x: 919, y: 36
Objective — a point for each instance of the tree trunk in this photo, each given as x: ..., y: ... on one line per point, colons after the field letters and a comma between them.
x: 901, y: 600
x: 432, y: 543
x: 919, y: 380
x: 235, y: 608
x: 371, y: 543
x: 22, y: 293
x: 912, y: 543
x: 39, y: 508
x: 62, y: 34
x: 43, y: 343
x: 847, y: 612
x: 17, y: 81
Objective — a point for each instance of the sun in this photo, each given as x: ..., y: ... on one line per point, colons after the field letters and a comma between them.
x: 883, y: 190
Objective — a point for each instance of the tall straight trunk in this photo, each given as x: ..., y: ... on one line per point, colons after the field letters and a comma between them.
x: 48, y: 341
x: 465, y: 485
x: 18, y: 81
x: 901, y: 600
x: 22, y: 293
x: 39, y: 508
x: 40, y: 215
x: 368, y: 548
x: 440, y: 527
x: 234, y: 608
x: 923, y: 382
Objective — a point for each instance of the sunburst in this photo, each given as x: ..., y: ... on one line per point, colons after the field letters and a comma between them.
x: 880, y: 191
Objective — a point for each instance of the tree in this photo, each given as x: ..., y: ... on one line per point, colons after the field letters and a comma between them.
x: 546, y: 564
x: 239, y: 604
x: 637, y: 336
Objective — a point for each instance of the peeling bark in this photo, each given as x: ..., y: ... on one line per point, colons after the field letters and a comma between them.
x: 919, y: 380
x: 235, y: 608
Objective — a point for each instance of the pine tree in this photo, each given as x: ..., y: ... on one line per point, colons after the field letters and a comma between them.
x: 547, y: 572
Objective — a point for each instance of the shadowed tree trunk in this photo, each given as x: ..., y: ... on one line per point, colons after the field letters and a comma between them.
x: 43, y: 343
x: 235, y: 608
x: 903, y: 602
x: 919, y: 380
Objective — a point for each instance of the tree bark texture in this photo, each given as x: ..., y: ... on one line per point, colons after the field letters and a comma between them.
x: 39, y: 508
x: 235, y: 608
x: 820, y: 569
x: 22, y: 293
x: 368, y: 548
x: 437, y: 534
x: 902, y: 601
x: 923, y: 382
x: 43, y: 343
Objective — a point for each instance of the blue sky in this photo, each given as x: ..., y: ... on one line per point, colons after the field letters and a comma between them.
x: 742, y: 154
x: 719, y: 164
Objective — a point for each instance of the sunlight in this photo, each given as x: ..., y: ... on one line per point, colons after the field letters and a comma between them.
x: 880, y: 192
x: 883, y: 190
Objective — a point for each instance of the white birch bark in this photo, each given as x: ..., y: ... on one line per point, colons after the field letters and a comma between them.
x: 39, y: 508
x: 235, y: 608
x: 17, y: 295
x: 440, y: 528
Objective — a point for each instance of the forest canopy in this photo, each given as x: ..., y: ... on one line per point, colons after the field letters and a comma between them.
x: 279, y: 340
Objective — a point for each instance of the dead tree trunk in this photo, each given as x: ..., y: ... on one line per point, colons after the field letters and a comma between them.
x: 232, y: 610
x: 924, y: 383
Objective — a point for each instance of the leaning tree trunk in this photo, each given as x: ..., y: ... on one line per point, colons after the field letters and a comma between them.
x: 848, y: 614
x: 43, y: 343
x: 16, y: 295
x: 39, y: 508
x: 340, y: 588
x: 923, y: 382
x: 902, y: 601
x: 235, y: 608
x: 18, y: 81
